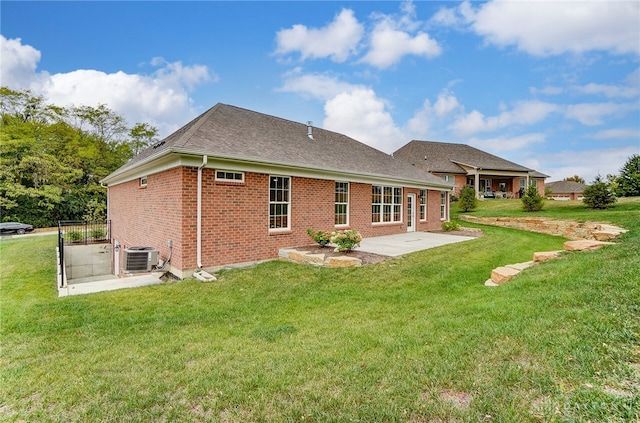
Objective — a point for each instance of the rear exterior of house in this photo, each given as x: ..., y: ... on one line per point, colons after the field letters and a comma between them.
x: 461, y: 165
x: 234, y: 186
x: 565, y: 190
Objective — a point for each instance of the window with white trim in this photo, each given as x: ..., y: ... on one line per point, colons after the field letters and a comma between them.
x: 342, y: 204
x: 143, y: 182
x: 279, y: 202
x: 386, y: 204
x: 443, y: 204
x: 448, y: 178
x: 423, y: 204
x: 228, y: 176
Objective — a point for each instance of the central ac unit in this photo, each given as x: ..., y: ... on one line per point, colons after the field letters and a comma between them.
x: 140, y: 259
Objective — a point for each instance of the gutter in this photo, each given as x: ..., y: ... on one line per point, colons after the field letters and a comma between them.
x: 199, y: 214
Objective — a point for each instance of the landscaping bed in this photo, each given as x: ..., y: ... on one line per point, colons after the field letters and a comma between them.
x: 365, y: 257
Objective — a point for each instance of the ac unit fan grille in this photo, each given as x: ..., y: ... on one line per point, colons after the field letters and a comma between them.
x: 140, y: 259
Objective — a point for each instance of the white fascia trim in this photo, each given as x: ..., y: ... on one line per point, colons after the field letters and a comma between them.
x: 174, y: 158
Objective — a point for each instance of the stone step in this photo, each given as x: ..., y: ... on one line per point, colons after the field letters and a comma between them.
x: 541, y: 256
x: 600, y: 232
x: 585, y: 244
x: 503, y: 274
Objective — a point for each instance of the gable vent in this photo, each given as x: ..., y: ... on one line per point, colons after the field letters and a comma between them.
x: 140, y: 259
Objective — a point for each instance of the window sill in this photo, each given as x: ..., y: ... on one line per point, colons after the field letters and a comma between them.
x: 280, y: 232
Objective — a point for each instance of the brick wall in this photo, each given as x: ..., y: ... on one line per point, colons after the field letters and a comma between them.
x: 235, y: 216
x: 149, y: 216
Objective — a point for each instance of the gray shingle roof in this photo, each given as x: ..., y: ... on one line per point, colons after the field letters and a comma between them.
x: 236, y: 133
x: 441, y: 157
x: 565, y: 187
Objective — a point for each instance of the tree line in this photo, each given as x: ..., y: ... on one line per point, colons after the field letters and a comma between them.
x: 52, y: 158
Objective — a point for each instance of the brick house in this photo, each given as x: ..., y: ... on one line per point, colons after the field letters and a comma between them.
x: 460, y: 164
x: 565, y: 190
x: 234, y: 186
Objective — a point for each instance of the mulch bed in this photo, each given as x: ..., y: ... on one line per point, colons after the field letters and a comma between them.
x: 370, y: 258
x: 367, y: 258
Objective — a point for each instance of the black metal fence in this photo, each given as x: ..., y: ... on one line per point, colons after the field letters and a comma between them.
x: 61, y: 256
x: 74, y: 232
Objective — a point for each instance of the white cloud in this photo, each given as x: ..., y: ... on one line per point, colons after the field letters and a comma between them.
x: 161, y: 99
x: 338, y: 40
x: 316, y: 85
x: 549, y: 90
x: 586, y: 163
x: 544, y: 28
x: 592, y: 114
x: 425, y: 117
x: 457, y: 17
x: 610, y: 91
x: 501, y: 144
x: 392, y: 39
x: 19, y: 63
x: 618, y: 133
x: 362, y: 115
x: 524, y: 113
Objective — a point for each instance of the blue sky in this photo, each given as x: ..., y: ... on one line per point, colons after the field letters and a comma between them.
x: 554, y: 86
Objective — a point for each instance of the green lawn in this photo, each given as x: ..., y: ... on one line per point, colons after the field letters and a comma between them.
x: 414, y: 339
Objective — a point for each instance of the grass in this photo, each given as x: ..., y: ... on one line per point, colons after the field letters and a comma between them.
x: 414, y: 339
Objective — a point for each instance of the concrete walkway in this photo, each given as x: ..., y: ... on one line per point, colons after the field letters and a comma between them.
x: 107, y: 283
x: 399, y: 244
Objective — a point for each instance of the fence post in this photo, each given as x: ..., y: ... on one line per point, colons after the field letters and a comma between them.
x: 61, y: 252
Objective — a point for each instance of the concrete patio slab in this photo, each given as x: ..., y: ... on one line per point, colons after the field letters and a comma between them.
x: 399, y: 244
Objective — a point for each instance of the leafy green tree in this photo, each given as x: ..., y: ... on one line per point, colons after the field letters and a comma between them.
x: 52, y: 158
x: 532, y: 201
x: 628, y: 183
x: 142, y: 136
x: 599, y: 195
x: 468, y: 201
x: 575, y: 178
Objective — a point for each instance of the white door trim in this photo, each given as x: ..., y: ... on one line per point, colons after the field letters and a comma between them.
x: 411, y: 212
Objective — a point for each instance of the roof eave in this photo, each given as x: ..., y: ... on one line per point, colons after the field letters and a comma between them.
x: 146, y: 166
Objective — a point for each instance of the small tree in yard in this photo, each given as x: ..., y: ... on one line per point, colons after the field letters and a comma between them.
x: 629, y: 179
x: 598, y: 195
x: 532, y: 201
x: 468, y: 201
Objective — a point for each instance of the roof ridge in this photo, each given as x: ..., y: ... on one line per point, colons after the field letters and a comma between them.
x: 268, y: 115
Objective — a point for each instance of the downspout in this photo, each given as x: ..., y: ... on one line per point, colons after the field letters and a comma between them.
x: 199, y: 214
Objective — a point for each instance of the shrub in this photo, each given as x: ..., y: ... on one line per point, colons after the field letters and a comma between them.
x: 346, y: 240
x: 598, y: 195
x: 468, y: 201
x: 321, y: 237
x: 74, y: 236
x: 532, y: 201
x: 450, y: 226
x: 98, y: 233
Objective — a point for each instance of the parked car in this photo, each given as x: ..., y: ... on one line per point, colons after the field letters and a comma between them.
x: 15, y: 227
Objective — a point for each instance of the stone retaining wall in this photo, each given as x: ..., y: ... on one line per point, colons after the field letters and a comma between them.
x: 318, y: 259
x: 570, y: 229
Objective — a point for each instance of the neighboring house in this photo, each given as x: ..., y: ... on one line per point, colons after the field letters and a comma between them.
x: 565, y: 190
x: 461, y: 164
x: 234, y: 186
